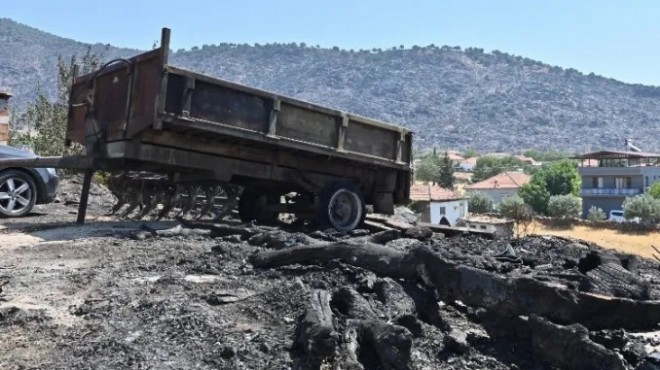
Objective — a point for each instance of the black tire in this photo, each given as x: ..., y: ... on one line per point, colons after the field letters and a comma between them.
x: 18, y: 193
x: 353, y: 208
x: 252, y: 206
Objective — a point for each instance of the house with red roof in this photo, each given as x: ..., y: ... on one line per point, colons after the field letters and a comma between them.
x: 500, y: 186
x: 438, y: 205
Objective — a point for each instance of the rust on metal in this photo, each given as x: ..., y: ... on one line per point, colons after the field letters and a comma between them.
x: 141, y: 114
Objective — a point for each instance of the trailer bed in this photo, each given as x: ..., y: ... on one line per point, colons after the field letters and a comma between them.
x: 144, y: 114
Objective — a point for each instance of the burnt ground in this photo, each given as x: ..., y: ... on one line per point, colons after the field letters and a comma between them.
x: 110, y: 295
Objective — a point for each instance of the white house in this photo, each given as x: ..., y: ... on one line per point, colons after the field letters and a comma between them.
x: 468, y: 164
x: 437, y: 205
x: 498, y: 226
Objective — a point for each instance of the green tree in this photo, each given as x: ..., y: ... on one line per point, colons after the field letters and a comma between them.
x: 596, y: 214
x: 560, y: 178
x: 565, y: 207
x: 446, y: 172
x: 654, y: 191
x: 557, y: 178
x: 46, y: 121
x: 490, y: 166
x: 643, y: 206
x: 536, y: 196
x: 470, y: 153
x: 480, y: 203
x: 429, y: 168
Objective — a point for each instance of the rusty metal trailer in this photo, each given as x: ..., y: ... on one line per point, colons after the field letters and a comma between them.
x: 144, y: 114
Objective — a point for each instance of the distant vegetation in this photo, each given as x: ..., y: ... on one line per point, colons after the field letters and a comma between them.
x: 557, y: 178
x: 490, y: 166
x: 451, y: 97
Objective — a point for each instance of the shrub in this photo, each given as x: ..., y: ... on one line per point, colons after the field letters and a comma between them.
x: 643, y: 206
x: 565, y: 207
x: 514, y: 208
x: 480, y: 203
x: 596, y: 214
x: 654, y: 191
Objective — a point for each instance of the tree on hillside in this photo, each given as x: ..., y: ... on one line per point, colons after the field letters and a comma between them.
x: 446, y: 172
x: 46, y: 121
x: 490, y: 166
x: 557, y: 178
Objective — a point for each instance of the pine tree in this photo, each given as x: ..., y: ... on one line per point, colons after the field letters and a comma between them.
x: 446, y: 172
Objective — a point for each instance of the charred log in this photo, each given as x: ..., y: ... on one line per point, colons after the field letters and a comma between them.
x: 510, y: 296
x: 315, y: 333
x: 569, y: 347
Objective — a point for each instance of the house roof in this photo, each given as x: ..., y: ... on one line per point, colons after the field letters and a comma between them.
x: 455, y: 157
x: 427, y: 192
x: 613, y: 154
x: 505, y: 180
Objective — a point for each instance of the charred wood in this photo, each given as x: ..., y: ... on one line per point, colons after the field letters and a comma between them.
x: 510, y: 296
x: 315, y: 333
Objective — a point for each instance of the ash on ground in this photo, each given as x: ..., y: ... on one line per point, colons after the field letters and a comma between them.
x: 123, y: 296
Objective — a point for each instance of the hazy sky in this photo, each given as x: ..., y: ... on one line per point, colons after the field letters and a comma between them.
x: 618, y: 39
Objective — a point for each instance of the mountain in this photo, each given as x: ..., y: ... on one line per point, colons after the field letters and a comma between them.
x: 451, y: 97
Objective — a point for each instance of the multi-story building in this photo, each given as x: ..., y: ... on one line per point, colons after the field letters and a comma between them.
x: 609, y: 177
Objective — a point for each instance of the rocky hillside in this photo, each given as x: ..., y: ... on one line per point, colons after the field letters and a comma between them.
x: 451, y: 97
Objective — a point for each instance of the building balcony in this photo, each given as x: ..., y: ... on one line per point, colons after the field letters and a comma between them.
x: 613, y: 171
x: 622, y: 192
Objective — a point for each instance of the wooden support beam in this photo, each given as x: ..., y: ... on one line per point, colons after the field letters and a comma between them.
x: 84, y: 196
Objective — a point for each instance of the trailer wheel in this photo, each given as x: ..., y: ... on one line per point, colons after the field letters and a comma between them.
x: 342, y: 207
x: 253, y: 206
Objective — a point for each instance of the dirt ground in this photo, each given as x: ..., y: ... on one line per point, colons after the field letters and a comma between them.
x: 104, y: 296
x: 637, y: 243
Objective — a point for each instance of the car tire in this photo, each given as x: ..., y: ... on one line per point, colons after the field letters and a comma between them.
x: 18, y: 193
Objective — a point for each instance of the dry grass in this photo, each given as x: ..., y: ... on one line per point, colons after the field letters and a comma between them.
x: 637, y: 243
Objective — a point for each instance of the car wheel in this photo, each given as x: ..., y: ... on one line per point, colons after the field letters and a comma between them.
x: 18, y: 193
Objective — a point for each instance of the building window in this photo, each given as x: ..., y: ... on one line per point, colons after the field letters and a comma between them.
x: 443, y: 210
x: 597, y: 182
x: 622, y: 182
x: 483, y: 227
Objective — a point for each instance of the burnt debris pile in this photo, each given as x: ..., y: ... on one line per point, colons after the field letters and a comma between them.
x: 211, y: 296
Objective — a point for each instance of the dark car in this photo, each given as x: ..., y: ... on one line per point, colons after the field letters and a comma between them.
x: 22, y: 188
